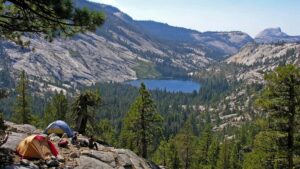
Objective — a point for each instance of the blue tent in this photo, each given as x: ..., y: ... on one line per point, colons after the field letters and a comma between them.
x: 59, y: 127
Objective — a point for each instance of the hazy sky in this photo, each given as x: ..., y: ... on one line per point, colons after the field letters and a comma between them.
x: 250, y: 16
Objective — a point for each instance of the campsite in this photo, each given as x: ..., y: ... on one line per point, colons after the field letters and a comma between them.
x: 131, y: 84
x: 32, y: 148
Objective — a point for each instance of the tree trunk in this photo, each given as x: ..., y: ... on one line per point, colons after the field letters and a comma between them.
x: 83, y: 125
x: 187, y: 158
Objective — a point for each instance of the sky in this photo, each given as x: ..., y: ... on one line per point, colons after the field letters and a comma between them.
x: 250, y: 16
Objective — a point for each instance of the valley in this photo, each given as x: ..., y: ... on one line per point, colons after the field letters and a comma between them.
x: 205, y: 97
x: 119, y: 48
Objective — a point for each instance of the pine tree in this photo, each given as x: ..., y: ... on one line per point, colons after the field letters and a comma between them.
x: 174, y: 157
x: 213, y: 153
x: 204, y: 145
x: 281, y: 99
x: 81, y: 112
x: 264, y: 153
x: 104, y: 131
x: 161, y: 154
x: 141, y: 124
x: 185, y: 142
x: 49, y: 115
x: 51, y: 17
x: 22, y: 104
x: 235, y: 156
x: 56, y: 109
x: 60, y: 105
x: 223, y: 162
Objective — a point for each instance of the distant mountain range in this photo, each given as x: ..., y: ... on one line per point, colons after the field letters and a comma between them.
x: 275, y: 35
x: 125, y: 49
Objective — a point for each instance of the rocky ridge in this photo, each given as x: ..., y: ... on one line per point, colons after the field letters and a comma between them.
x: 117, y: 50
x: 244, y: 72
x: 256, y: 59
x: 72, y: 157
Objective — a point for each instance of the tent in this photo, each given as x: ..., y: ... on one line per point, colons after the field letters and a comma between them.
x: 59, y: 127
x: 36, y: 147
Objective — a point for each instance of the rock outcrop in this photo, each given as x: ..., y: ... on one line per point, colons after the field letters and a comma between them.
x: 71, y: 157
x: 256, y: 59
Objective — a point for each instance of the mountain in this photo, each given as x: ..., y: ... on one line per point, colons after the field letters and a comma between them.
x: 256, y: 59
x: 122, y: 49
x: 237, y: 80
x: 275, y: 35
x: 217, y: 45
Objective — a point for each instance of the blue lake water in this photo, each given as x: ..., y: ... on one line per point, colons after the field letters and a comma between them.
x: 185, y: 86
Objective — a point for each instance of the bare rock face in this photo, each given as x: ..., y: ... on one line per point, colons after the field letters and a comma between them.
x: 88, y: 162
x: 117, y: 48
x: 115, y: 158
x: 107, y: 157
x: 13, y: 140
x: 128, y: 158
x: 257, y: 59
x: 25, y: 128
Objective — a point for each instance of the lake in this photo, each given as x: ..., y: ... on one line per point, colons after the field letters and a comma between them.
x: 185, y: 86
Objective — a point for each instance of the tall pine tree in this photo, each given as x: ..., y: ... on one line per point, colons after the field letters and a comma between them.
x: 174, y: 160
x: 22, y: 104
x: 141, y: 124
x: 57, y: 109
x: 264, y: 153
x: 81, y: 112
x: 204, y: 145
x: 185, y: 142
x: 213, y: 153
x: 281, y: 99
x: 223, y: 162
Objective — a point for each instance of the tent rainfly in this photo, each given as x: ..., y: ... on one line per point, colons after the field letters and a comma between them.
x: 59, y: 127
x: 36, y: 147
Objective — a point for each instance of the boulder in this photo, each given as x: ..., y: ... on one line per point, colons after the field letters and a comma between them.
x: 123, y: 160
x: 13, y: 140
x: 52, y: 163
x: 20, y: 128
x: 86, y: 162
x: 75, y: 155
x: 127, y: 158
x: 107, y: 157
x: 26, y: 128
